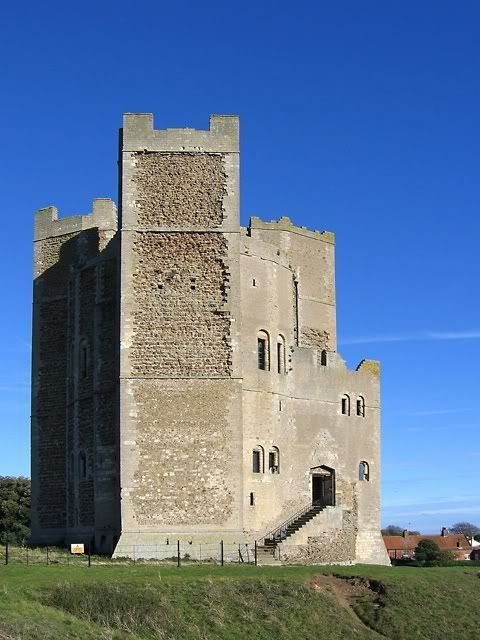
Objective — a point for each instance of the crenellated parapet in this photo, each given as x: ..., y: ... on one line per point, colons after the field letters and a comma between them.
x: 221, y: 137
x: 370, y: 366
x: 285, y: 224
x: 48, y: 225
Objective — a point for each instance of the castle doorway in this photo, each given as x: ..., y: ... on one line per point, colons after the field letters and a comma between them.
x: 323, y: 486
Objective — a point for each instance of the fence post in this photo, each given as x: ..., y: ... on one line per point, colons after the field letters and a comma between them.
x: 47, y: 556
x: 178, y: 553
x: 255, y: 553
x: 221, y: 553
x: 27, y: 555
x: 200, y: 553
x: 134, y: 555
x: 89, y: 552
x: 6, y: 549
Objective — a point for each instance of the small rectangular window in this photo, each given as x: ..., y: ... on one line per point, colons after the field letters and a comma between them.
x: 262, y: 353
x: 256, y: 462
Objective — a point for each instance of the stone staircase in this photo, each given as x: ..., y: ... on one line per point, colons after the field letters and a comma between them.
x: 266, y: 552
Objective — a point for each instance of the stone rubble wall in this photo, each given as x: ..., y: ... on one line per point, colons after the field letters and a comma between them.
x: 180, y: 286
x: 169, y: 183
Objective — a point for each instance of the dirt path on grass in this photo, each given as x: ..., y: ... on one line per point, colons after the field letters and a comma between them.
x: 346, y: 592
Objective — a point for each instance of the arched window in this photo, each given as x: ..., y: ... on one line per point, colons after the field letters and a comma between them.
x: 274, y: 460
x: 364, y: 471
x: 263, y: 351
x: 361, y: 406
x: 258, y: 459
x: 82, y: 466
x: 345, y: 405
x: 281, y: 354
x: 323, y: 358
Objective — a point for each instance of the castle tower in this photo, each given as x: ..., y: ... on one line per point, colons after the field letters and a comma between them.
x: 180, y: 387
x: 186, y: 381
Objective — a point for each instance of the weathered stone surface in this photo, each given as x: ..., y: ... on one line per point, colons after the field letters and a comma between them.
x: 180, y: 285
x: 168, y: 184
x: 184, y: 444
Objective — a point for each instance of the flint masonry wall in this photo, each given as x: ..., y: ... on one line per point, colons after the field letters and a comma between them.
x: 180, y: 391
x: 74, y: 474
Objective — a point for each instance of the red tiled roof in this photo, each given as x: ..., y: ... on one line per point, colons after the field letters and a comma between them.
x: 452, y: 542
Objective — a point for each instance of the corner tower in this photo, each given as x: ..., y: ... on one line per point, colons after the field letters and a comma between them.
x: 180, y: 387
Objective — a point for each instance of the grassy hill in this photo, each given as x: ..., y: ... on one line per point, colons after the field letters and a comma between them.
x: 238, y: 602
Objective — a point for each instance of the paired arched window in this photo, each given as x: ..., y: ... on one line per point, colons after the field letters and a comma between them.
x: 361, y: 406
x: 258, y: 459
x: 345, y: 405
x: 281, y: 366
x: 274, y: 460
x: 364, y: 471
x: 263, y: 350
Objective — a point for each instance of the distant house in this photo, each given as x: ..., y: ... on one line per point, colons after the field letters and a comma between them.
x: 403, y: 546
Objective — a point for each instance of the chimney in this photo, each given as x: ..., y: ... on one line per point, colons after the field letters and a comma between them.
x: 444, y: 532
x: 405, y: 533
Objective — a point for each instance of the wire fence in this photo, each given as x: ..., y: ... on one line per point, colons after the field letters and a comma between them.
x: 176, y: 553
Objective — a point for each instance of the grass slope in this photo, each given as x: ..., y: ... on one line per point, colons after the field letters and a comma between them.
x: 235, y: 602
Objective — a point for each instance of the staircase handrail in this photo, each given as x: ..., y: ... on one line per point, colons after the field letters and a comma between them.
x: 274, y: 533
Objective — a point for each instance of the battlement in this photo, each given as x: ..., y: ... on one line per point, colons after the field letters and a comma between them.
x: 285, y: 224
x: 370, y: 366
x: 221, y: 137
x: 103, y: 216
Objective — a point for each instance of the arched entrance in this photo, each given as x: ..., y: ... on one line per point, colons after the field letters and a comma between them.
x: 323, y: 486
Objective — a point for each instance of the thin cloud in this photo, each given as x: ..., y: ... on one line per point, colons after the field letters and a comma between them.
x: 437, y: 512
x: 437, y: 412
x: 473, y: 334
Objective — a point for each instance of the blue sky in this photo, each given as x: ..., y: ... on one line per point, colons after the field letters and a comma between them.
x: 357, y: 117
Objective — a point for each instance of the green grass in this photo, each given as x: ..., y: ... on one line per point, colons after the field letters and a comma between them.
x: 235, y: 602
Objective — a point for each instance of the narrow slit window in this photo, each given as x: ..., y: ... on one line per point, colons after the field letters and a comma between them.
x: 323, y: 358
x: 252, y: 499
x: 256, y: 461
x: 83, y: 466
x: 364, y: 471
x: 346, y: 405
x: 263, y: 351
x: 281, y: 354
x: 361, y: 406
x: 274, y: 460
x: 83, y: 360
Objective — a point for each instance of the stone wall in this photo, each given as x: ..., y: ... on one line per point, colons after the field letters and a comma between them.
x: 67, y: 294
x: 53, y: 257
x: 185, y: 447
x: 331, y: 546
x: 168, y: 184
x: 180, y: 284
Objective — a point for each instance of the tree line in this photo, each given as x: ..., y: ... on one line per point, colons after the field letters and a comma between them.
x: 467, y: 528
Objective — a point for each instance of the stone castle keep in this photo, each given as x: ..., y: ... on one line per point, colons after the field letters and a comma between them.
x: 186, y: 383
